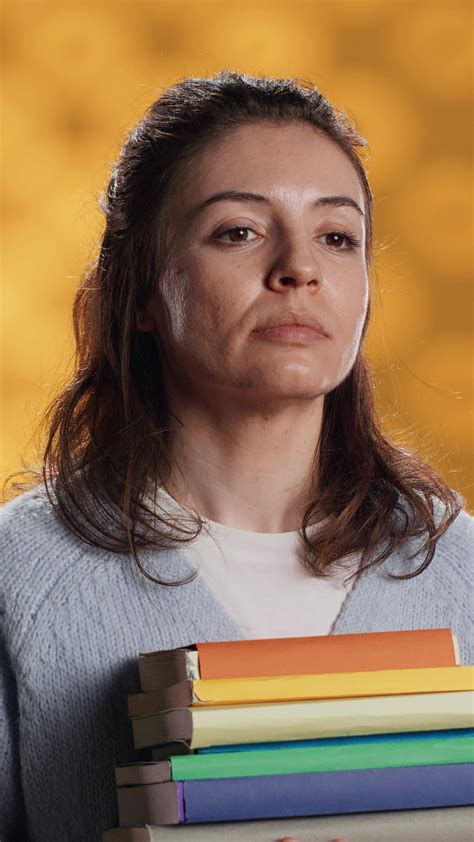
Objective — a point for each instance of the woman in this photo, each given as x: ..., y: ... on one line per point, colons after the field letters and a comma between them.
x: 220, y: 432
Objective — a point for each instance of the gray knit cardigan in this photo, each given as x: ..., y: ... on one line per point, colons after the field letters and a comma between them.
x: 73, y: 619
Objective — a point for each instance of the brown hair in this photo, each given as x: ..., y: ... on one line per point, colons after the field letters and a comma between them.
x: 108, y: 433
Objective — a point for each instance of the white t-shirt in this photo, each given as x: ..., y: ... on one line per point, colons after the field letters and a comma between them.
x: 259, y: 579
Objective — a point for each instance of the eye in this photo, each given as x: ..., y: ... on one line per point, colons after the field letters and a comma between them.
x: 237, y: 230
x: 341, y: 241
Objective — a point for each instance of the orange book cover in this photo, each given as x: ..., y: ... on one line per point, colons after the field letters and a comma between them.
x: 328, y: 654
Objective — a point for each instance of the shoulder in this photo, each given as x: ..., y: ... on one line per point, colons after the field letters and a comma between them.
x: 449, y: 575
x: 453, y: 552
x: 441, y: 594
x: 54, y: 587
x: 455, y: 547
x: 459, y: 536
x: 30, y: 504
x: 453, y: 565
x: 452, y: 557
x: 27, y: 518
x: 44, y: 567
x: 31, y: 533
x: 395, y: 594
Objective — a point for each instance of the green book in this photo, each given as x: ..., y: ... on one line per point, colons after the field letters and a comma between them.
x: 433, y: 750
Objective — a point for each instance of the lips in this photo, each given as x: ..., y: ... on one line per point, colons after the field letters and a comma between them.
x: 293, y: 320
x: 301, y: 334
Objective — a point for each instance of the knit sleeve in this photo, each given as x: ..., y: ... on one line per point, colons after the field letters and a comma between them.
x: 457, y: 586
x: 12, y: 813
x: 12, y: 816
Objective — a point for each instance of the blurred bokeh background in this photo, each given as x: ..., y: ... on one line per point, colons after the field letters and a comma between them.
x: 78, y: 74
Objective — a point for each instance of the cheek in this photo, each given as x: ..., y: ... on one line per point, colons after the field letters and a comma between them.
x: 176, y: 295
x: 194, y: 311
x: 358, y: 315
x: 352, y: 307
x: 352, y: 302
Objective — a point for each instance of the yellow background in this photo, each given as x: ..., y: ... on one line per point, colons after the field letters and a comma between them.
x: 77, y: 75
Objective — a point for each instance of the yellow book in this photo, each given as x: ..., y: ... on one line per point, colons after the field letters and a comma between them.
x: 234, y: 691
x: 293, y: 688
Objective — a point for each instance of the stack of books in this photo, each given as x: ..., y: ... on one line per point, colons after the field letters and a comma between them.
x: 293, y: 727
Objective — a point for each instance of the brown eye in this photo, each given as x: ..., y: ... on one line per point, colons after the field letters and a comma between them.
x: 341, y: 241
x: 337, y: 239
x: 236, y: 233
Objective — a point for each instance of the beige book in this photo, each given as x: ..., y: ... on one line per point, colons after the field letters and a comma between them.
x: 227, y: 725
x: 447, y: 824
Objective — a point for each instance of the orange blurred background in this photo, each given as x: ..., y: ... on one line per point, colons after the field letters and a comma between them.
x: 78, y: 74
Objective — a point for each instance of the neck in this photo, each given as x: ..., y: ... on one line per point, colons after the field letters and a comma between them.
x: 253, y: 470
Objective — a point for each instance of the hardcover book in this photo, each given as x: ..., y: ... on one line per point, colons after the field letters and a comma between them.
x: 291, y: 688
x: 299, y: 656
x: 412, y: 749
x: 307, y: 794
x: 229, y: 724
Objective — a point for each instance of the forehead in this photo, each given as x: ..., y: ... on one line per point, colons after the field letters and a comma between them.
x: 281, y: 161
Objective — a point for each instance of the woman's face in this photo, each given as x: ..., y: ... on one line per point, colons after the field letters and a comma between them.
x: 236, y: 264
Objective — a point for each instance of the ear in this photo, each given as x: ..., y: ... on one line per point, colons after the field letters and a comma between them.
x: 145, y: 322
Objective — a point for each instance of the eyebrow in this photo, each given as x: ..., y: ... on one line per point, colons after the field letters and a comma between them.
x: 239, y: 196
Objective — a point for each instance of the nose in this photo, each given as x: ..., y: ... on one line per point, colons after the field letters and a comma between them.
x: 296, y: 265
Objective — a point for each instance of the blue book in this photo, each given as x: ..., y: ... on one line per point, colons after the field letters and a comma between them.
x: 340, y: 741
x: 306, y: 794
x: 323, y: 793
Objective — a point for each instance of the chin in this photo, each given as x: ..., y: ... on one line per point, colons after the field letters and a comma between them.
x: 295, y: 378
x: 304, y: 389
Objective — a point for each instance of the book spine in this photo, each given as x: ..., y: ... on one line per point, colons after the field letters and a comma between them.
x: 222, y: 725
x: 328, y: 653
x: 361, y: 739
x: 323, y: 793
x: 238, y: 691
x: 327, y: 759
x: 160, y: 804
x: 175, y: 696
x: 158, y: 670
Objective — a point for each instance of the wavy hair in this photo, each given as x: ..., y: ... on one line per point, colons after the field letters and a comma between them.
x: 108, y: 431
